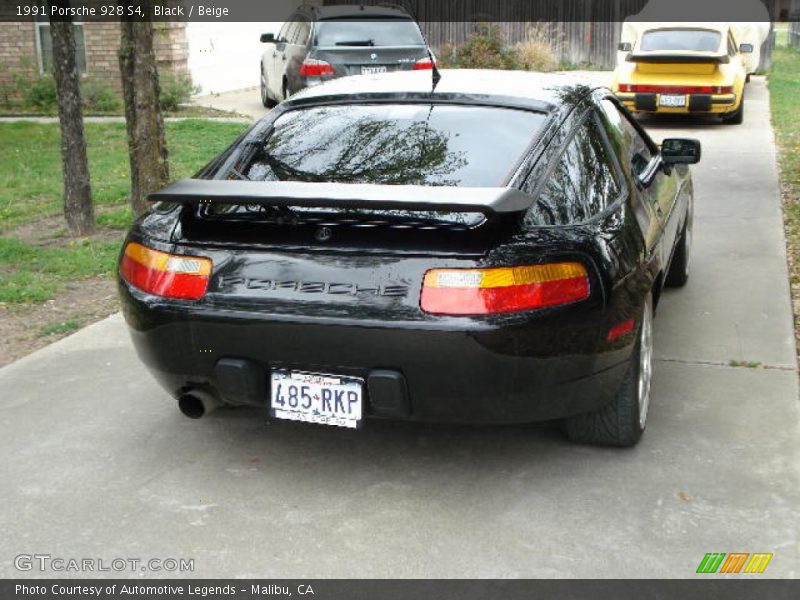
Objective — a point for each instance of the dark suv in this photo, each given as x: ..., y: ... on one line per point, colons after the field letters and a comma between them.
x: 318, y: 44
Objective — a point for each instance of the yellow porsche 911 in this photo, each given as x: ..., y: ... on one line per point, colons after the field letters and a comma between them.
x: 684, y: 68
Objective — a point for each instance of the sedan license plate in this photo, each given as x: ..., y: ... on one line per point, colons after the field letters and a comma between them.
x: 316, y: 398
x: 672, y: 100
x: 372, y: 70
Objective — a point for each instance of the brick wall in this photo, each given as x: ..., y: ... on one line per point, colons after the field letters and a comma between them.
x: 18, y: 52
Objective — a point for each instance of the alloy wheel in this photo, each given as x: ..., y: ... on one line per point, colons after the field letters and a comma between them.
x: 645, y: 361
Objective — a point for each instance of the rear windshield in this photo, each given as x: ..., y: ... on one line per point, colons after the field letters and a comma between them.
x: 411, y: 144
x: 692, y: 40
x: 394, y: 32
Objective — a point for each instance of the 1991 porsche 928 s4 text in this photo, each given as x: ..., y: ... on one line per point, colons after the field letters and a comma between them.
x: 490, y: 249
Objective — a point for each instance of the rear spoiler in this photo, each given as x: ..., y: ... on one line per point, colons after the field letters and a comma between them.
x: 487, y: 200
x: 683, y: 59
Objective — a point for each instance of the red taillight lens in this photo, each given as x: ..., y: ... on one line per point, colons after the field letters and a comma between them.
x: 312, y: 67
x: 502, y: 290
x: 675, y: 89
x: 162, y: 274
x: 423, y: 64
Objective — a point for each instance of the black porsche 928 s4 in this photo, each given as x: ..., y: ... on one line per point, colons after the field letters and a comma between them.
x: 487, y: 250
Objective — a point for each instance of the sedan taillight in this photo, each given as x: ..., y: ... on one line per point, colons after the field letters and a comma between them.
x: 162, y: 274
x: 502, y: 290
x: 312, y: 67
x: 423, y: 64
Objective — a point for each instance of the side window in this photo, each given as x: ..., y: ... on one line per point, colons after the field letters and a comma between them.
x: 582, y: 184
x: 284, y: 32
x: 302, y: 32
x: 624, y: 134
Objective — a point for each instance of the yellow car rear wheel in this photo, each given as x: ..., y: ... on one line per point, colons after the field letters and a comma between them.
x: 736, y: 117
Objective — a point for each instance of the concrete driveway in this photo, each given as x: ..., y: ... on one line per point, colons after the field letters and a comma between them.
x: 97, y: 461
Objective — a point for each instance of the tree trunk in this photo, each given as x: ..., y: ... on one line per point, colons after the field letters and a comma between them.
x: 78, y: 208
x: 140, y: 90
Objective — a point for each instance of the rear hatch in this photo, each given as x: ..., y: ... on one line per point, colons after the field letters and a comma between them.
x: 356, y: 46
x: 339, y: 209
x: 679, y: 50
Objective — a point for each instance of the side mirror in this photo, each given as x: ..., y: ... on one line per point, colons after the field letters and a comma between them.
x: 267, y: 38
x: 746, y: 48
x: 625, y: 47
x: 680, y: 151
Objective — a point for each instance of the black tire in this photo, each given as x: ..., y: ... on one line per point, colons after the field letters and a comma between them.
x: 747, y: 79
x: 285, y: 90
x: 736, y: 117
x: 265, y: 99
x: 678, y: 273
x: 623, y: 420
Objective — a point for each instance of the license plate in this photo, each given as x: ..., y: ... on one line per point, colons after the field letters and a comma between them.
x: 372, y: 70
x: 316, y: 398
x: 672, y: 100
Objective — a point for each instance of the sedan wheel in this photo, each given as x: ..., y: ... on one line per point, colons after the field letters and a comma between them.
x: 623, y: 420
x: 265, y: 99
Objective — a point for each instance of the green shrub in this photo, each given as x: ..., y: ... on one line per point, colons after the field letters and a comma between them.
x: 99, y: 97
x: 176, y: 89
x: 485, y: 49
x: 38, y: 91
x: 537, y: 52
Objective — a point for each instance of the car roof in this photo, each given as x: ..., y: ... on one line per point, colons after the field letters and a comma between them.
x: 539, y: 91
x: 355, y: 11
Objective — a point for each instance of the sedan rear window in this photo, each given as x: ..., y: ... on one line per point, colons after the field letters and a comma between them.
x: 411, y: 144
x: 690, y: 40
x: 367, y: 32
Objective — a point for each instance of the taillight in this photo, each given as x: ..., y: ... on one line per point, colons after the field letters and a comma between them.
x: 676, y: 89
x: 312, y: 67
x: 423, y: 64
x: 162, y: 274
x: 502, y: 290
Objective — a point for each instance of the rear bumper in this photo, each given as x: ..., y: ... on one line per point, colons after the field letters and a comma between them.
x: 520, y: 373
x: 695, y: 103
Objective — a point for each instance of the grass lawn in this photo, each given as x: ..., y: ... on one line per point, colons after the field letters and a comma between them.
x: 50, y: 283
x: 784, y: 87
x: 30, y: 173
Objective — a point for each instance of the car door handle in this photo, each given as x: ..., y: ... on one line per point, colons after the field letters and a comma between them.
x: 274, y: 54
x: 284, y: 57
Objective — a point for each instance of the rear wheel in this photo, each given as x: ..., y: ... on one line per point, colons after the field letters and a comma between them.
x: 736, y: 117
x: 265, y: 99
x: 623, y: 420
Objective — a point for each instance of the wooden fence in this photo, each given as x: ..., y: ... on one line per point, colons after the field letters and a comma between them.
x: 582, y: 42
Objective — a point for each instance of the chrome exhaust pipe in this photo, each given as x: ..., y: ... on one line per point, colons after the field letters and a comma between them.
x: 197, y: 403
